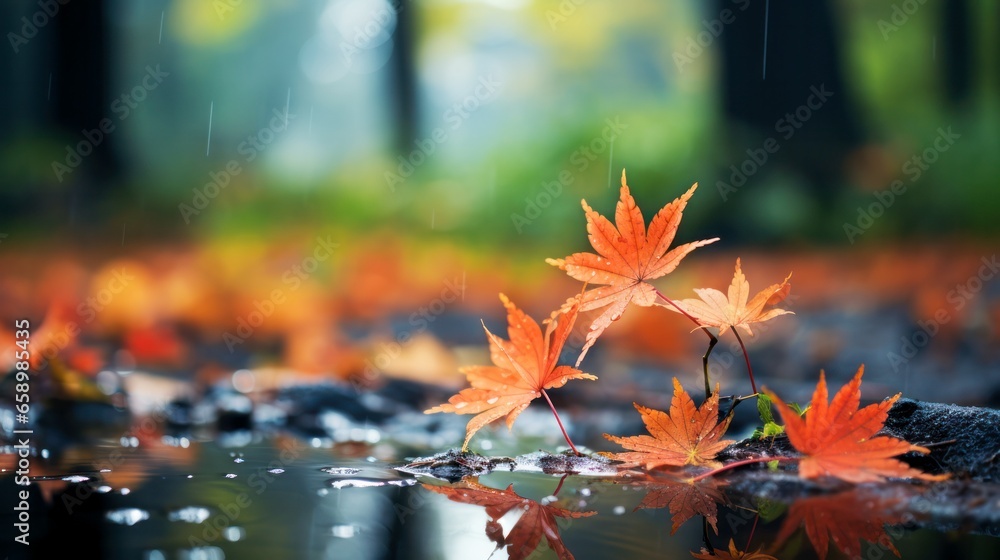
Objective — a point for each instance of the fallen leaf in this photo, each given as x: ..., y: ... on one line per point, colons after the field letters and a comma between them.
x: 839, y: 440
x: 684, y: 499
x: 733, y: 553
x: 687, y: 436
x: 627, y: 257
x: 845, y: 518
x: 525, y: 365
x: 535, y: 521
x: 735, y: 309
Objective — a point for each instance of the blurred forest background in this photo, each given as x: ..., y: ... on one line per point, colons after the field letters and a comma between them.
x: 366, y: 82
x: 207, y: 145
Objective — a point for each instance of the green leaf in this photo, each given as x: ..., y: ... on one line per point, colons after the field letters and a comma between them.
x: 769, y: 510
x: 772, y: 429
x: 764, y: 409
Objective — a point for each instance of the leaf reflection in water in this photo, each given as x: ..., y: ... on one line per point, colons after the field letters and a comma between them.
x: 683, y: 499
x: 733, y: 553
x: 536, y: 520
x: 845, y: 519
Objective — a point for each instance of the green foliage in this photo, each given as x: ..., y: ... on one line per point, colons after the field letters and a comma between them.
x: 770, y: 428
x: 769, y: 510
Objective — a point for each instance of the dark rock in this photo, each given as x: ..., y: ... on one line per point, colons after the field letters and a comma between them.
x: 778, y: 446
x: 963, y: 440
x: 454, y: 465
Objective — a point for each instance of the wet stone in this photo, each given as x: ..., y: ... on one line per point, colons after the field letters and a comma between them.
x: 963, y: 440
x: 454, y: 465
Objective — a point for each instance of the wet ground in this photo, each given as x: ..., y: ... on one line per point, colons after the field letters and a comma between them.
x: 165, y: 443
x: 323, y: 485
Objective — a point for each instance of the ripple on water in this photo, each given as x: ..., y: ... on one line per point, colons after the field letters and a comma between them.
x: 77, y: 478
x: 344, y: 531
x: 127, y: 516
x: 234, y: 533
x: 201, y: 553
x: 339, y: 483
x: 340, y: 471
x: 190, y: 514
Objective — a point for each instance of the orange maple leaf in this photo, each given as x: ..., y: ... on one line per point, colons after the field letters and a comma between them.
x: 737, y: 309
x: 839, y: 440
x: 684, y: 499
x: 733, y: 554
x: 628, y: 256
x: 525, y: 366
x: 844, y: 518
x: 687, y: 436
x: 535, y: 521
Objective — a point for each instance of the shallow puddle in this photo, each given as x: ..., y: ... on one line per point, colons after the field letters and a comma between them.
x: 285, y: 497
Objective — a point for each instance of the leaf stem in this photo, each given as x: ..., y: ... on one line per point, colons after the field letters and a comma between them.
x: 746, y: 357
x: 558, y: 421
x: 559, y: 486
x: 752, y: 529
x: 712, y: 339
x: 738, y: 464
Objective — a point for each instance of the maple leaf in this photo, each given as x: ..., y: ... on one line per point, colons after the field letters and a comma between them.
x: 525, y: 366
x: 687, y: 436
x: 535, y: 521
x: 844, y: 518
x: 628, y: 256
x: 733, y: 554
x: 684, y: 499
x: 735, y: 309
x: 839, y: 440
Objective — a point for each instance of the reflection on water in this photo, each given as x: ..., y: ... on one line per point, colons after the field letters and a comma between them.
x: 684, y: 500
x: 533, y: 519
x: 846, y: 519
x: 289, y: 499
